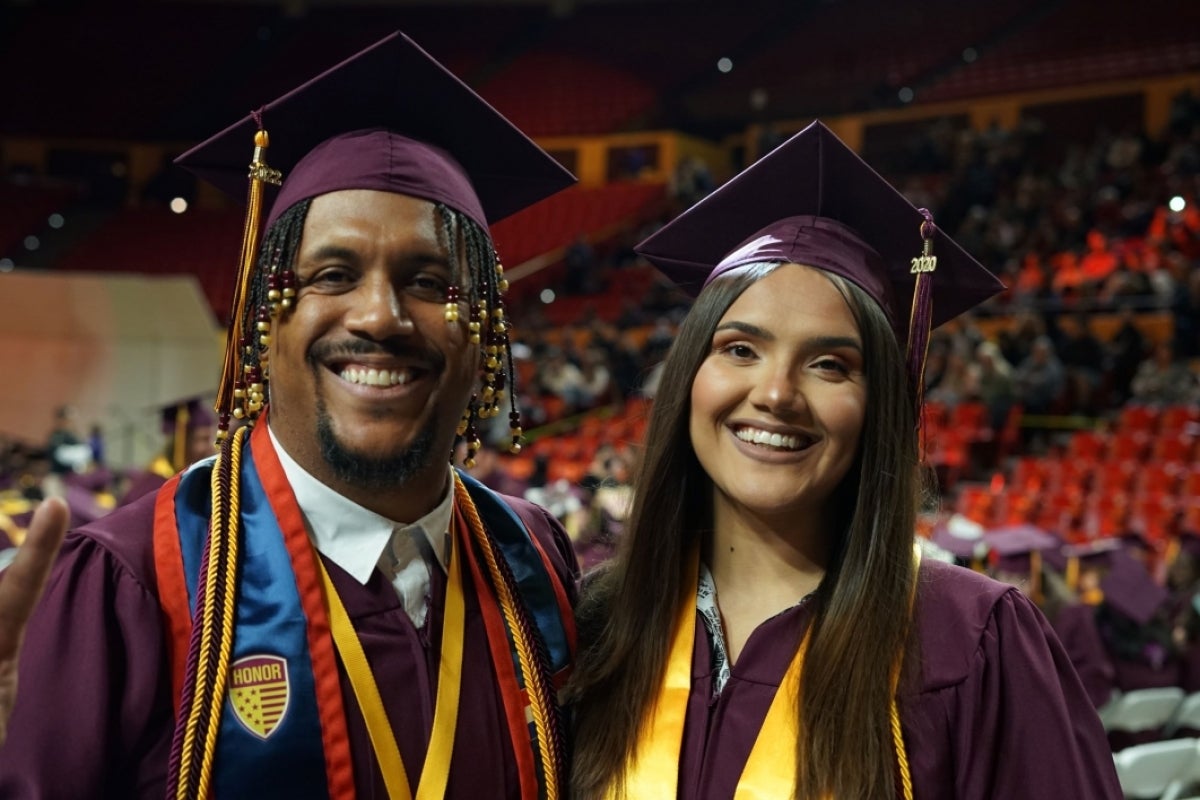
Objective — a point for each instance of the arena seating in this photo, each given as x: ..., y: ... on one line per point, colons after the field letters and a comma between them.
x: 1139, y: 477
x: 1077, y: 42
x: 815, y: 68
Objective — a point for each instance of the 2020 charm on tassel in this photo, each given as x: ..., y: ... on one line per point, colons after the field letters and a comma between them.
x: 920, y: 320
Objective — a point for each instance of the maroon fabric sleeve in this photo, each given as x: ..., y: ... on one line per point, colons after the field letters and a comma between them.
x: 93, y: 713
x: 1023, y: 725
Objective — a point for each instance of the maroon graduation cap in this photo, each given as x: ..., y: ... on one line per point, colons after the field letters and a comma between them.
x: 389, y: 118
x: 1015, y: 547
x: 961, y: 537
x: 1130, y: 590
x: 813, y: 201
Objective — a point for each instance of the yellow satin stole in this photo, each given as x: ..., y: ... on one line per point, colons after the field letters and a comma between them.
x: 770, y: 771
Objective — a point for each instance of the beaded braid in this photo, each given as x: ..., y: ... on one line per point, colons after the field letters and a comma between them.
x: 272, y: 294
x: 488, y: 326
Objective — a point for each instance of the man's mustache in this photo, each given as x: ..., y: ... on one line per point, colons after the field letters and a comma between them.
x: 322, y: 352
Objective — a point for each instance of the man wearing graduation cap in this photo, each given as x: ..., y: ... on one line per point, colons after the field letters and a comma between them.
x: 327, y: 609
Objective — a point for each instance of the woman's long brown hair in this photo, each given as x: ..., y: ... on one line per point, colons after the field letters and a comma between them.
x: 861, y: 620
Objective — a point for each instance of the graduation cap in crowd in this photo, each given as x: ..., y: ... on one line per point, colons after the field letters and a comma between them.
x: 960, y: 537
x: 1070, y: 559
x: 1019, y: 548
x: 180, y: 421
x: 813, y: 201
x: 389, y: 118
x: 1130, y: 590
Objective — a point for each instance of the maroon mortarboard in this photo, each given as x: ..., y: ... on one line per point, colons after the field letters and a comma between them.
x: 1130, y: 590
x: 186, y: 415
x: 179, y: 421
x: 389, y: 118
x: 813, y: 201
x: 1015, y: 546
x: 1095, y: 552
x: 961, y: 537
x: 1070, y: 559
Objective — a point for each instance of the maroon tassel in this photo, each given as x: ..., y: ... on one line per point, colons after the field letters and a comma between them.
x: 920, y: 322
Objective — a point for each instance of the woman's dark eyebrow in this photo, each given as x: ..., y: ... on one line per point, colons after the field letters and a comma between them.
x: 834, y: 342
x: 748, y: 329
x: 817, y: 342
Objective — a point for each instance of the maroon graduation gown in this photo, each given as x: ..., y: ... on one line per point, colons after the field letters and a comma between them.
x: 93, y: 717
x: 997, y: 710
x: 1075, y: 625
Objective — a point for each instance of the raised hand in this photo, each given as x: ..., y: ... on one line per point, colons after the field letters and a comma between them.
x: 20, y: 587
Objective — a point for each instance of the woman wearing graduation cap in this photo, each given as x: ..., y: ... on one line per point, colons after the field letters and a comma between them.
x: 767, y: 629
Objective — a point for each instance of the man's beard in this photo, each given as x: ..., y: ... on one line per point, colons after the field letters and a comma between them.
x: 355, y: 469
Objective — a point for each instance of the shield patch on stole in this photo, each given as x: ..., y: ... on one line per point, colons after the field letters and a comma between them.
x: 259, y: 693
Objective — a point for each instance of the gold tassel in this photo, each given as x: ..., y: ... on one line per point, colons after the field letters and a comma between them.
x: 231, y: 374
x: 179, y: 445
x: 1072, y: 574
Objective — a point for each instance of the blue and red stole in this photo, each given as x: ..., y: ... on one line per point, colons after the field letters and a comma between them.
x: 283, y: 730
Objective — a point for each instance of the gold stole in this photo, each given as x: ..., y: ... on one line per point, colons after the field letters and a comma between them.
x: 770, y: 771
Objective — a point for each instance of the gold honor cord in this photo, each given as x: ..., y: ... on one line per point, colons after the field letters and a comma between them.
x: 219, y: 601
x: 436, y: 772
x: 770, y: 771
x: 540, y: 696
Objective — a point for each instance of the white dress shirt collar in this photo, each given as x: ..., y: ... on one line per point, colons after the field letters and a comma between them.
x: 356, y: 538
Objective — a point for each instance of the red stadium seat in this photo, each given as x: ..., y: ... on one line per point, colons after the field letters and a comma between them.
x: 1087, y: 446
x: 1143, y: 419
x: 1128, y: 445
x: 1174, y: 448
x: 1176, y: 419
